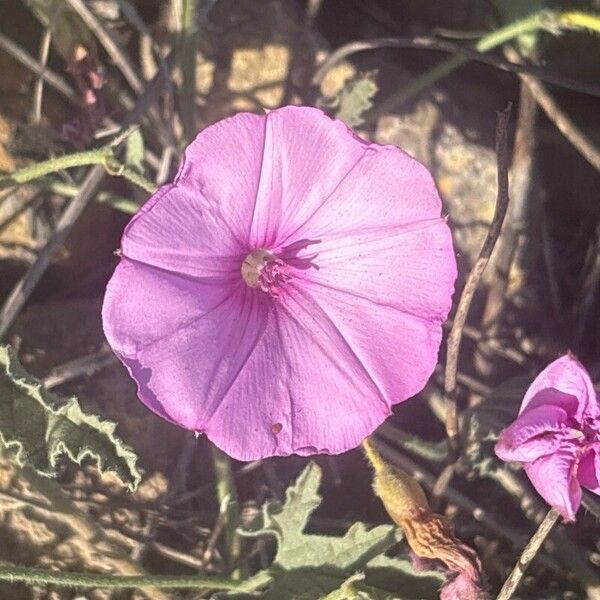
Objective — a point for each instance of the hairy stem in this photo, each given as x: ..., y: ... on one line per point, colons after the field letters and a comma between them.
x: 41, y: 169
x: 102, y: 156
x: 43, y: 576
x: 580, y: 20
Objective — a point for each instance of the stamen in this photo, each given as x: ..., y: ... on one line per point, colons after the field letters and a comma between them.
x: 264, y: 270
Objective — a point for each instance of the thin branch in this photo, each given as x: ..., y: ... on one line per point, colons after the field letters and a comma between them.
x: 543, y: 20
x: 109, y: 44
x: 38, y: 91
x: 86, y: 365
x: 455, y: 336
x: 21, y: 292
x: 563, y: 123
x: 528, y: 554
x: 186, y: 57
x: 51, y: 78
x: 461, y: 56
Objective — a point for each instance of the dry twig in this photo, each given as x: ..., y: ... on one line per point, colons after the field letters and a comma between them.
x: 429, y: 43
x: 454, y: 339
x: 109, y: 44
x: 553, y: 111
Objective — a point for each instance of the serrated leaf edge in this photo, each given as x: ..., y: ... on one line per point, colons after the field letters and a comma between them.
x: 34, y: 388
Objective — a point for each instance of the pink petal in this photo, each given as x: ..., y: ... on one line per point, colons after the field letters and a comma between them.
x: 177, y: 231
x: 385, y: 190
x: 223, y: 164
x: 303, y: 389
x: 398, y: 348
x: 553, y: 476
x: 356, y: 328
x: 200, y: 224
x: 536, y: 433
x: 143, y: 305
x: 463, y: 587
x: 152, y: 318
x: 306, y: 154
x: 564, y: 383
x: 410, y: 269
x: 285, y: 381
x: 589, y: 468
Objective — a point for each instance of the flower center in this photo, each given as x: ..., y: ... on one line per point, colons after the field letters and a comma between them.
x: 263, y: 269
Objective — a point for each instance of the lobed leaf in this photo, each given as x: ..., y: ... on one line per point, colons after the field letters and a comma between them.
x: 310, y: 566
x: 354, y: 99
x: 40, y: 427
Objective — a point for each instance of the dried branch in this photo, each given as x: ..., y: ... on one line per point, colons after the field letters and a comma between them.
x: 454, y: 339
x: 563, y: 123
x: 109, y: 44
x: 51, y: 78
x: 528, y: 554
x: 462, y: 55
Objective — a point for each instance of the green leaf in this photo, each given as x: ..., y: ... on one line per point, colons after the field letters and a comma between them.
x: 481, y: 425
x: 348, y: 590
x: 398, y: 575
x: 40, y: 427
x: 296, y: 549
x: 134, y: 150
x: 310, y: 566
x: 354, y: 99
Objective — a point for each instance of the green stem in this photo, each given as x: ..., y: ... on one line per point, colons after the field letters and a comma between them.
x: 43, y: 576
x: 117, y: 169
x: 579, y: 20
x: 125, y: 205
x: 102, y: 156
x: 187, y: 62
x: 227, y: 493
x: 528, y: 554
x: 41, y: 169
x: 549, y: 20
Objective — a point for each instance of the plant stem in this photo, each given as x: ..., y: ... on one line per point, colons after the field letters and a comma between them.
x: 549, y: 20
x: 102, y: 156
x: 227, y: 493
x: 468, y: 293
x: 528, y: 554
x: 129, y: 207
x: 186, y: 57
x: 41, y: 169
x: 580, y: 20
x: 44, y: 576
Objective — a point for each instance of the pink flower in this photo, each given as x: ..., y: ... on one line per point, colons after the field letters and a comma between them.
x: 557, y: 435
x: 286, y: 289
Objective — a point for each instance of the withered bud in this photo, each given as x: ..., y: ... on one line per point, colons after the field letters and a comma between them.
x: 429, y: 535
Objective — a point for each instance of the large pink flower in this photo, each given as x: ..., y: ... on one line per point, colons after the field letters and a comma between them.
x: 286, y: 289
x: 557, y: 435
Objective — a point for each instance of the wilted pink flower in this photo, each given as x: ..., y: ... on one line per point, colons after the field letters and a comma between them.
x: 286, y: 289
x: 557, y: 435
x: 89, y: 78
